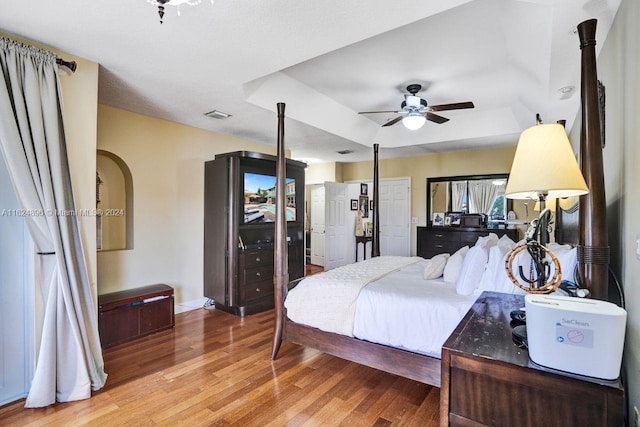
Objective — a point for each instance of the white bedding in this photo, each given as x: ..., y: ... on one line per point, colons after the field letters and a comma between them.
x: 327, y: 301
x: 383, y: 300
x: 405, y: 311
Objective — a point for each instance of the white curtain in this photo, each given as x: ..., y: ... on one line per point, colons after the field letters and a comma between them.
x: 458, y: 193
x: 482, y: 194
x: 69, y: 363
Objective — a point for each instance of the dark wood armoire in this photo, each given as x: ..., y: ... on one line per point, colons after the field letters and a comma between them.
x: 239, y: 212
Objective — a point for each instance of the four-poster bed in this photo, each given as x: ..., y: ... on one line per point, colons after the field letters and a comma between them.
x: 420, y: 367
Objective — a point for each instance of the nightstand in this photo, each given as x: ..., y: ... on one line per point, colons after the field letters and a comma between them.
x: 488, y: 381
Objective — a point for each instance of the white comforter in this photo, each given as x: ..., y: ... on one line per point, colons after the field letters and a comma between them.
x: 405, y: 311
x: 327, y: 301
x: 383, y: 300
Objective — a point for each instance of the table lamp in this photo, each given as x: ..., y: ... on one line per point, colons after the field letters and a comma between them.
x: 544, y: 166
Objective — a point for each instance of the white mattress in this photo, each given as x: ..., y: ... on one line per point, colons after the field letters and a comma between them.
x: 405, y: 311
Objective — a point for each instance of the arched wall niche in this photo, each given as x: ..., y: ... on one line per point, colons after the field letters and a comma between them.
x: 114, y: 201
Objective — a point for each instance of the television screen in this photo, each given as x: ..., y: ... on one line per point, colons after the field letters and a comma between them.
x: 260, y: 196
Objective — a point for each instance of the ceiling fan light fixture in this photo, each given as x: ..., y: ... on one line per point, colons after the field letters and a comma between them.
x: 414, y: 121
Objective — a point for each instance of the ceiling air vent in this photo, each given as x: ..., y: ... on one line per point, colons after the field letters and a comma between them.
x: 215, y: 114
x: 344, y: 151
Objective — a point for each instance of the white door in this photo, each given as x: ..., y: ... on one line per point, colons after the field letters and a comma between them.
x: 317, y: 225
x: 15, y: 296
x: 336, y: 235
x: 395, y: 220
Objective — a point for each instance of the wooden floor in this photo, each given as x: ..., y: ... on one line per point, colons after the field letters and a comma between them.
x: 214, y: 369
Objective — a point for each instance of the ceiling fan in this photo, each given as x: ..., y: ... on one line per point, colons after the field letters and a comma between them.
x: 415, y: 110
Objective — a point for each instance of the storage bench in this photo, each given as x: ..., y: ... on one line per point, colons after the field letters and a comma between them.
x: 134, y: 313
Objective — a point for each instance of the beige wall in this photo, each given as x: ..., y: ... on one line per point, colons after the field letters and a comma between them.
x: 318, y: 173
x: 166, y: 160
x: 619, y: 70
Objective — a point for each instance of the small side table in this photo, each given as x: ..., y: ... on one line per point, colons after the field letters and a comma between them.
x: 363, y: 240
x: 488, y: 381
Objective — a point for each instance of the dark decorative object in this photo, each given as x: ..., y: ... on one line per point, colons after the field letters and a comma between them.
x: 363, y: 189
x: 354, y: 204
x: 371, y: 205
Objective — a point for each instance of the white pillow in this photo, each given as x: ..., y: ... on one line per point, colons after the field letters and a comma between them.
x: 472, y: 268
x: 495, y: 262
x: 434, y: 267
x: 454, y: 265
x: 505, y: 243
x: 487, y: 241
x: 568, y: 260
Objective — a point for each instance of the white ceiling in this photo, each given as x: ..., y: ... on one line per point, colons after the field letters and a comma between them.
x: 327, y: 60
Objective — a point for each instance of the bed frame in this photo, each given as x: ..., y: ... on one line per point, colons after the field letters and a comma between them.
x: 592, y: 246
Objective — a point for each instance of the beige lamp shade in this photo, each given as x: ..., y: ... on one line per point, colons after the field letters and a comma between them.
x: 545, y: 164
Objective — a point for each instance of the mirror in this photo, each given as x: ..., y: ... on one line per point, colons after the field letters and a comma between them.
x: 472, y: 194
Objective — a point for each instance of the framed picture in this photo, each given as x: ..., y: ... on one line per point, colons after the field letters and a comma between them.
x: 447, y: 220
x: 370, y: 205
x: 438, y: 219
x: 354, y: 204
x: 363, y: 189
x: 455, y: 218
x: 364, y: 206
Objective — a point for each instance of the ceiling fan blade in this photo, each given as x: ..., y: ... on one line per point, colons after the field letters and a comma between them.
x: 436, y: 118
x: 393, y: 122
x: 455, y: 106
x: 375, y: 112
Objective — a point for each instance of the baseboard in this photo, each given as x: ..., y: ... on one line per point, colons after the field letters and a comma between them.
x: 190, y: 305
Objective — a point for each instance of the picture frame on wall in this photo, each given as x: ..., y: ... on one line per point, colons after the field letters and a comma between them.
x: 364, y: 206
x: 438, y: 219
x: 371, y: 205
x: 354, y: 204
x: 363, y: 189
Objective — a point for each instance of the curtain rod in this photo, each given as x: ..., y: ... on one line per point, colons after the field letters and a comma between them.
x: 69, y: 64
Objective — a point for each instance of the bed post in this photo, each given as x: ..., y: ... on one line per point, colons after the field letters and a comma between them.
x: 281, y: 267
x: 375, y: 239
x: 593, y: 246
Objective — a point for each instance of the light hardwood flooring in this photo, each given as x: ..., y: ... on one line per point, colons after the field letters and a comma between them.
x: 214, y: 369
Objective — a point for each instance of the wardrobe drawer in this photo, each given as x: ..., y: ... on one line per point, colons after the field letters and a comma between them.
x: 251, y: 291
x: 255, y: 258
x: 256, y: 274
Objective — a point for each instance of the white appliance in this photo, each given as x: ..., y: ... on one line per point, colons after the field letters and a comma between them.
x: 577, y: 335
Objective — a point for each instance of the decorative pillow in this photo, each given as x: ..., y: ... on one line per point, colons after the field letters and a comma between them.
x: 434, y: 267
x: 473, y: 266
x: 454, y: 265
